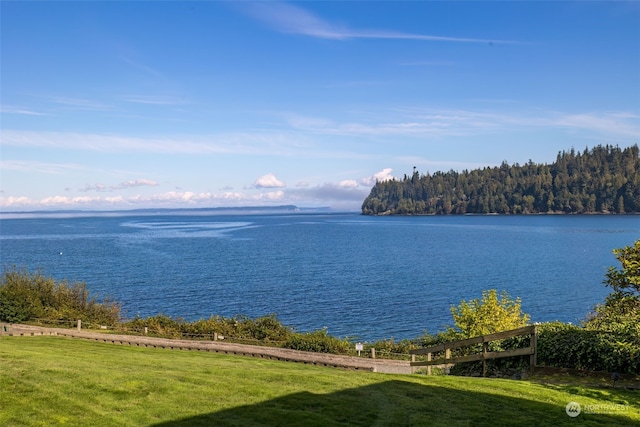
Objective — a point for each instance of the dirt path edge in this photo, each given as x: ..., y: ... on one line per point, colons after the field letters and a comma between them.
x: 321, y: 359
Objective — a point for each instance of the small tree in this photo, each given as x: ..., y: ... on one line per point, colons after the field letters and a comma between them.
x: 621, y: 309
x: 626, y: 281
x: 493, y: 313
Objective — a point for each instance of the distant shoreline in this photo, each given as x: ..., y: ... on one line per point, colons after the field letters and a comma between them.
x: 239, y: 210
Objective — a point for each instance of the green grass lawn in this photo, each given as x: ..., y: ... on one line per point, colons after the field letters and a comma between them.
x: 48, y: 381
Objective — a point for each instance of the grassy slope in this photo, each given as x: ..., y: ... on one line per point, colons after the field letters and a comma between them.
x: 55, y: 381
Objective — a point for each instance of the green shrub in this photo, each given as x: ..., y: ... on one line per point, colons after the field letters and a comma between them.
x: 205, y: 328
x: 267, y: 329
x: 25, y: 297
x: 318, y: 341
x: 570, y: 346
x: 159, y: 326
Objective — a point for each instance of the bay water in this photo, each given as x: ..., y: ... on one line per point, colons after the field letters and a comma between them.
x: 362, y: 277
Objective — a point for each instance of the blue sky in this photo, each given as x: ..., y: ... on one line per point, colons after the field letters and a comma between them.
x: 123, y: 105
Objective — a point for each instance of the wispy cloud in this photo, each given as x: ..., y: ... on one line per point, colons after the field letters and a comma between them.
x: 621, y: 124
x: 444, y: 122
x: 39, y: 167
x: 140, y: 66
x: 120, y: 186
x: 353, y: 83
x: 290, y: 19
x: 7, y: 109
x: 266, y: 143
x: 433, y: 63
x: 78, y: 103
x: 154, y: 100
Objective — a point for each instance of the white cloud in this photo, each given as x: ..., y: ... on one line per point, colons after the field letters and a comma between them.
x: 348, y: 183
x: 268, y: 181
x: 383, y: 175
x: 137, y: 183
x: 346, y: 194
x: 64, y: 201
x: 95, y: 187
x: 290, y: 19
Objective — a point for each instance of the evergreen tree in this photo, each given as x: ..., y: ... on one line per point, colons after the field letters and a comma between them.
x: 605, y: 179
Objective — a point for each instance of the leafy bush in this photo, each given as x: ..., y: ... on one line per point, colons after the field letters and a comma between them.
x: 159, y: 325
x: 267, y: 329
x: 570, y: 346
x: 25, y: 296
x: 207, y: 327
x: 318, y: 341
x: 610, y: 338
x: 493, y: 313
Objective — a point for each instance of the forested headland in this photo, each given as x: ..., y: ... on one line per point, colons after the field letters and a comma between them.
x: 605, y: 179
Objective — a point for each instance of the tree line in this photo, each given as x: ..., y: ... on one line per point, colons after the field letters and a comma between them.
x: 605, y: 179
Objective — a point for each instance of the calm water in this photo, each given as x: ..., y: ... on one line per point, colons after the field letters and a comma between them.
x: 363, y: 277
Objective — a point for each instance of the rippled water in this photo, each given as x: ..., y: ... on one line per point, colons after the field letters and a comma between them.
x: 362, y: 277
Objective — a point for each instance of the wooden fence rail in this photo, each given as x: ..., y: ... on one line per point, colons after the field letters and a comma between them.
x: 484, y: 355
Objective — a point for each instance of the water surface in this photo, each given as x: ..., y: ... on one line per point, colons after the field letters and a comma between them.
x: 363, y: 277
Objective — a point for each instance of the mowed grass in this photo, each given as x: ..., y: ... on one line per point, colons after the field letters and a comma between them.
x: 49, y: 381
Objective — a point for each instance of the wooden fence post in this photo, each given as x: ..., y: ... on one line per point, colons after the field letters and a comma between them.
x: 79, y: 324
x: 373, y: 352
x: 485, y: 348
x: 533, y: 360
x: 428, y: 366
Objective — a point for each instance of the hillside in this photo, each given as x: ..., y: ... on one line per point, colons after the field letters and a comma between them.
x: 605, y: 179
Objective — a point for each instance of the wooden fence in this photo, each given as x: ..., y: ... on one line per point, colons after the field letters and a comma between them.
x: 484, y: 355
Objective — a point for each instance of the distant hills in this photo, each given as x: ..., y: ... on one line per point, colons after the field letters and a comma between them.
x: 605, y: 179
x: 239, y: 210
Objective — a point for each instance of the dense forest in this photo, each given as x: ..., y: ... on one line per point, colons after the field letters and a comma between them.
x: 605, y: 179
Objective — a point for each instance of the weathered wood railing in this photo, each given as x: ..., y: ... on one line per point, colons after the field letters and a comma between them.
x: 484, y: 355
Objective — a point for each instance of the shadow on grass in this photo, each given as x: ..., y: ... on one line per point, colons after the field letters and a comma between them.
x: 399, y: 403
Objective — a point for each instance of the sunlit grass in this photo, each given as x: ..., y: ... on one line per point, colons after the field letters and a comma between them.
x: 48, y: 381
